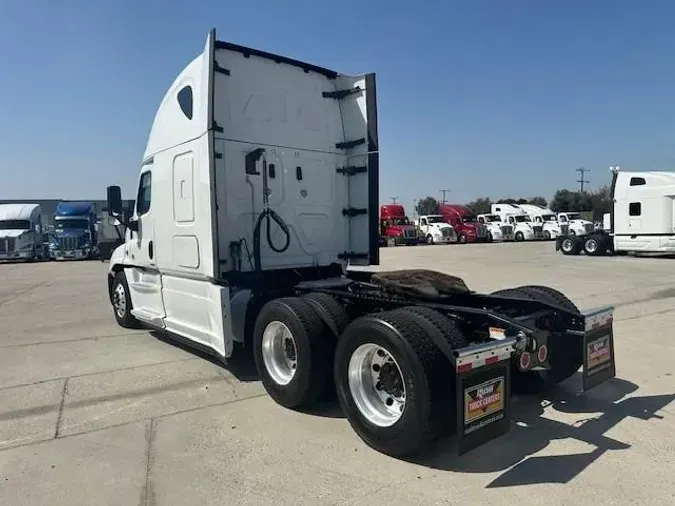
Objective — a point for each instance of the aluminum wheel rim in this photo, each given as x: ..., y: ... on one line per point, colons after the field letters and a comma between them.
x: 591, y: 245
x: 120, y: 300
x: 279, y: 352
x: 379, y: 407
x: 567, y: 245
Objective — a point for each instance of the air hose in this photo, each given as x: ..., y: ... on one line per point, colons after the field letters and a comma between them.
x: 268, y: 215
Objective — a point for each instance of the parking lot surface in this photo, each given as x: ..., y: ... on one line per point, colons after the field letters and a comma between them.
x: 93, y: 414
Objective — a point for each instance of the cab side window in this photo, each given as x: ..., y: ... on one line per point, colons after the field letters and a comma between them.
x: 144, y: 194
x: 423, y: 222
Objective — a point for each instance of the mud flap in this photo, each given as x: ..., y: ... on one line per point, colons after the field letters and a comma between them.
x: 598, y: 365
x: 483, y: 393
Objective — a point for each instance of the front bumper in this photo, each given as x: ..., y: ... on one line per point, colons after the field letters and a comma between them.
x: 16, y: 255
x: 75, y: 254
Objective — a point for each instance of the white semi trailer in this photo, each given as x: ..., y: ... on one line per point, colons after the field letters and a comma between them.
x: 257, y: 189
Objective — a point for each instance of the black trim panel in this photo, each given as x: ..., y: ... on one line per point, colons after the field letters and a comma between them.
x: 657, y: 234
x: 211, y: 142
x: 373, y: 171
x: 247, y: 51
x: 615, y: 176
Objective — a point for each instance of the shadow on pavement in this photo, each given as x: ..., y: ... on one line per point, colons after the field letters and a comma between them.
x: 531, y: 432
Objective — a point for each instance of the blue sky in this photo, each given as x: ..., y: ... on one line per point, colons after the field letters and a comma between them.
x: 487, y: 98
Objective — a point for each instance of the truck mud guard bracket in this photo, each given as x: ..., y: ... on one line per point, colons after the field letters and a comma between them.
x: 350, y: 144
x: 483, y: 392
x: 352, y: 170
x: 598, y: 364
x: 340, y: 94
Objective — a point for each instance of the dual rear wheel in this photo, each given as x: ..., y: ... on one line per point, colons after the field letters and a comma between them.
x: 393, y: 383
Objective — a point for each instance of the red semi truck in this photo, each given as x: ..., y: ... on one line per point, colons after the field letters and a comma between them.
x: 395, y: 227
x: 465, y: 223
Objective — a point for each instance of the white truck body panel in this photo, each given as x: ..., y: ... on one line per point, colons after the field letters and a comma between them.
x: 519, y: 219
x: 643, y: 218
x: 197, y: 203
x: 435, y: 227
x: 498, y: 229
x: 545, y: 217
x: 20, y: 231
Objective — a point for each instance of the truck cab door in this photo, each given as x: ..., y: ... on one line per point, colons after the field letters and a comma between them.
x: 143, y: 277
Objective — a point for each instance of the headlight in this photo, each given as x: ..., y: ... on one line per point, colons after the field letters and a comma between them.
x: 86, y: 245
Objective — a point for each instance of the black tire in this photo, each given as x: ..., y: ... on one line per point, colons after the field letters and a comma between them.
x: 461, y: 238
x: 122, y: 312
x: 570, y: 246
x: 330, y: 311
x: 425, y: 374
x: 547, y: 235
x: 489, y: 237
x: 519, y: 236
x: 592, y: 246
x: 437, y: 323
x: 566, y: 350
x: 430, y: 239
x: 313, y: 350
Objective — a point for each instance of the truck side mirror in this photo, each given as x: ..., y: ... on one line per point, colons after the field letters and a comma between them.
x: 115, y: 201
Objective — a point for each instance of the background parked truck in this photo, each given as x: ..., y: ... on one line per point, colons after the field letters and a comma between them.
x: 544, y: 217
x: 573, y: 223
x: 396, y: 228
x: 435, y: 230
x: 75, y: 231
x: 524, y: 229
x: 498, y: 230
x: 21, y: 234
x: 465, y: 223
x: 641, y: 219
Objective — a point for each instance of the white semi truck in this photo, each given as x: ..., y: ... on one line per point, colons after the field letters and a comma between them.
x: 524, y: 229
x: 498, y: 230
x: 435, y: 230
x: 257, y: 190
x: 21, y: 234
x: 573, y: 223
x: 641, y: 219
x: 545, y: 217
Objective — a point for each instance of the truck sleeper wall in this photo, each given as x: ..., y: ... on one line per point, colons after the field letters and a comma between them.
x: 308, y: 133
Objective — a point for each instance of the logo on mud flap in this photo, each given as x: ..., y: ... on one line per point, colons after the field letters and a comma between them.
x: 483, y: 399
x: 598, y: 352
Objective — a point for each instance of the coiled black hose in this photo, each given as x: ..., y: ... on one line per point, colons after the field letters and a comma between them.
x: 268, y: 215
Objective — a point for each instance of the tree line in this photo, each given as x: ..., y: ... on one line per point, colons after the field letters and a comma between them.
x: 596, y: 202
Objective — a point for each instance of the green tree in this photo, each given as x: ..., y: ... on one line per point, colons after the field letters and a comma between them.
x: 566, y: 200
x: 538, y: 201
x: 427, y: 205
x: 480, y: 206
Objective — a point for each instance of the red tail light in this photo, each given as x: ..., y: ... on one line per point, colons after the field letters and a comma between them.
x: 525, y: 361
x: 542, y: 353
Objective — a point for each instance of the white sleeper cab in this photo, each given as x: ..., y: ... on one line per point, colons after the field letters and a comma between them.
x: 498, y: 230
x: 641, y: 220
x: 21, y: 234
x: 545, y: 218
x: 257, y: 192
x: 524, y: 229
x: 435, y: 230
